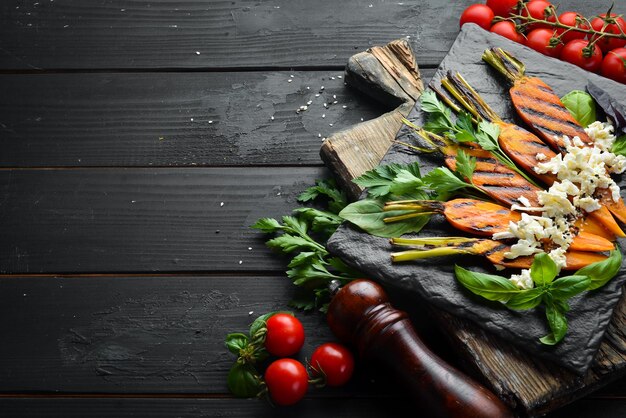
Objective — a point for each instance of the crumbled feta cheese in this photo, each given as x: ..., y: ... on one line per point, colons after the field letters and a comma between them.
x: 522, y: 280
x: 541, y: 157
x: 602, y: 135
x: 588, y: 204
x: 524, y: 201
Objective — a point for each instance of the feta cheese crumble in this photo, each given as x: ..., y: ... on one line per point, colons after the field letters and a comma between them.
x: 580, y: 172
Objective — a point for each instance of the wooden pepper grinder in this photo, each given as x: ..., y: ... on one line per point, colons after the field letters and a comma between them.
x: 360, y: 314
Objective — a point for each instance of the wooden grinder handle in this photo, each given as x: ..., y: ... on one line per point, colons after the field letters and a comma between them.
x: 360, y: 314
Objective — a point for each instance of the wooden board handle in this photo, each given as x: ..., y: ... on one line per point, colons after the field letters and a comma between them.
x: 360, y: 314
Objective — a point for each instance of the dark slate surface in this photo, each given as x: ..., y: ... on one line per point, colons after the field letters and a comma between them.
x: 433, y: 279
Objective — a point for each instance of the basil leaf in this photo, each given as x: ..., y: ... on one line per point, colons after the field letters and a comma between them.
x: 525, y: 299
x: 368, y: 215
x: 619, y: 146
x: 601, y: 272
x: 491, y: 287
x: 259, y: 323
x: 543, y: 270
x: 243, y: 380
x: 566, y: 287
x: 581, y: 105
x: 557, y: 323
x: 611, y: 107
x: 236, y: 342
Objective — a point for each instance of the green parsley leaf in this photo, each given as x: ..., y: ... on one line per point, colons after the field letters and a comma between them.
x: 602, y: 272
x: 287, y: 243
x: 440, y: 117
x: 382, y: 180
x: 489, y: 286
x: 337, y: 198
x: 444, y: 182
x: 487, y: 136
x: 543, y: 270
x: 267, y: 225
x: 465, y: 165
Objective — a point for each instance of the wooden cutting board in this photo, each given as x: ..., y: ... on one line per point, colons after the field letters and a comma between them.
x: 532, y: 387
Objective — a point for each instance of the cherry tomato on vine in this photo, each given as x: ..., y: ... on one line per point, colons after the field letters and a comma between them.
x: 502, y: 8
x: 576, y: 53
x: 334, y: 361
x: 287, y: 381
x: 614, y: 23
x: 285, y: 335
x: 539, y: 9
x: 575, y: 20
x: 479, y: 14
x: 614, y: 65
x: 507, y: 29
x: 543, y: 40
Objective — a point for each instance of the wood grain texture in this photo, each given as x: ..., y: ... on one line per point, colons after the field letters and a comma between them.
x: 148, y: 335
x: 126, y: 34
x: 143, y: 220
x: 174, y: 119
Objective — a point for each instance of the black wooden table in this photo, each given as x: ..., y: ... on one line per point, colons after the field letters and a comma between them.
x: 139, y: 140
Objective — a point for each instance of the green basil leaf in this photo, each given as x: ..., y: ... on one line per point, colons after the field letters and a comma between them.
x: 543, y: 270
x: 491, y: 287
x: 368, y: 215
x: 581, y: 105
x: 259, y: 323
x: 601, y: 272
x: 557, y: 323
x: 235, y: 342
x: 619, y: 146
x: 525, y: 299
x: 243, y: 380
x: 566, y: 287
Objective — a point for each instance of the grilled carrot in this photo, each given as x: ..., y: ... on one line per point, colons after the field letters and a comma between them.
x: 519, y: 144
x: 494, y: 251
x: 485, y: 219
x: 542, y: 109
x: 491, y: 176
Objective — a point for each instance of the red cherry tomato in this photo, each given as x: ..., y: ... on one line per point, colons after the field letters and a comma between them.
x: 285, y: 335
x: 615, y: 22
x: 507, y: 29
x: 544, y: 41
x: 479, y: 14
x: 539, y: 9
x: 287, y: 381
x: 575, y: 20
x: 335, y: 361
x: 502, y: 8
x: 614, y: 65
x: 574, y: 52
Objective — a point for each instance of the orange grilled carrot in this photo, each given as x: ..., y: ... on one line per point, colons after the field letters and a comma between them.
x: 494, y: 251
x: 519, y: 144
x: 482, y: 218
x: 495, y: 179
x: 542, y: 109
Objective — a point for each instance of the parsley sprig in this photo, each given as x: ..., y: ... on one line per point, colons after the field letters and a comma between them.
x: 552, y: 293
x: 302, y: 236
x: 485, y: 133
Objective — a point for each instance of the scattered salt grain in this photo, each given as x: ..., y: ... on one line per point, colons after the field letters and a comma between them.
x: 289, y: 81
x: 335, y: 102
x: 344, y: 106
x: 332, y: 78
x: 322, y: 88
x: 272, y: 117
x: 323, y: 115
x: 240, y: 261
x: 317, y: 95
x: 319, y: 135
x: 334, y: 96
x: 361, y: 119
x: 221, y: 204
x: 191, y: 119
x: 339, y: 77
x: 309, y: 102
x: 249, y: 248
x: 210, y: 121
x: 330, y: 124
x: 250, y: 313
x: 197, y: 52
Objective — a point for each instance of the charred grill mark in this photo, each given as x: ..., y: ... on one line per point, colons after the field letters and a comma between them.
x: 550, y: 118
x: 495, y: 249
x: 503, y: 211
x: 462, y: 204
x: 524, y: 95
x: 484, y: 228
x: 488, y: 160
x: 494, y: 174
x: 544, y: 89
x: 508, y: 189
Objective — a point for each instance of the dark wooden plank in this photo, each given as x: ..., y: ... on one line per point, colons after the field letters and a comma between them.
x: 202, y: 408
x: 145, y: 335
x: 143, y: 220
x: 120, y: 34
x: 181, y: 119
x: 314, y: 408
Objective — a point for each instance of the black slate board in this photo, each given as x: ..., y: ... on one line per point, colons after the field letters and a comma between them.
x: 433, y: 279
